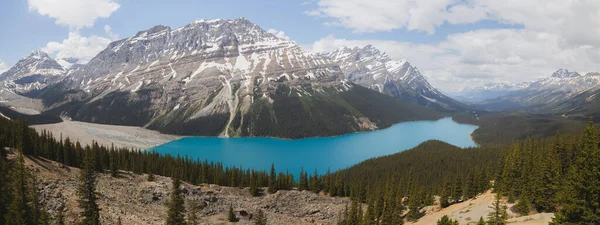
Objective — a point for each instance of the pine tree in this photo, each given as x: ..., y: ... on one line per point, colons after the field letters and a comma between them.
x: 499, y: 215
x: 458, y: 188
x: 175, y: 214
x: 379, y: 205
x: 272, y: 180
x: 523, y: 206
x: 445, y: 195
x: 253, y: 185
x: 390, y: 214
x: 369, y: 218
x: 359, y: 215
x: 581, y: 196
x: 303, y: 183
x: 327, y: 181
x: 192, y: 218
x: 481, y: 221
x: 90, y: 211
x: 19, y: 210
x: 546, y: 193
x: 413, y: 206
x: 445, y: 220
x: 114, y: 172
x: 353, y: 214
x: 231, y: 215
x: 261, y: 218
x: 314, y: 183
x: 5, y: 187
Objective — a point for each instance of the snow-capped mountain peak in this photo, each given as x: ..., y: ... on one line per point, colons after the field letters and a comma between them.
x: 37, y: 63
x: 564, y: 73
x: 34, y: 71
x: 372, y: 68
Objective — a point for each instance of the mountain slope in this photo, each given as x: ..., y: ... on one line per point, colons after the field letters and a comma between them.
x: 221, y: 77
x: 374, y: 69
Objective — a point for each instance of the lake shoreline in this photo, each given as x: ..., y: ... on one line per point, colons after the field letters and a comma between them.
x: 321, y: 153
x: 146, y: 139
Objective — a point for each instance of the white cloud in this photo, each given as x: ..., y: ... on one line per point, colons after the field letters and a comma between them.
x: 279, y: 34
x: 481, y: 56
x: 74, y: 13
x: 110, y: 34
x: 3, y: 66
x: 386, y: 15
x: 554, y: 34
x: 83, y: 48
x: 576, y: 22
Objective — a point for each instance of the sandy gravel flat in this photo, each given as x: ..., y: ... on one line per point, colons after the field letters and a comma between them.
x: 120, y: 136
x: 470, y: 211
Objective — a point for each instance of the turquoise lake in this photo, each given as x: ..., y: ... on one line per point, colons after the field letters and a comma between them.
x: 336, y: 153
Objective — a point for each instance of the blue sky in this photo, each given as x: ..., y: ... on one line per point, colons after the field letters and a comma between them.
x: 34, y: 30
x: 453, y: 42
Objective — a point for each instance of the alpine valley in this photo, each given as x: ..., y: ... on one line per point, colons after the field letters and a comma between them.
x: 226, y: 78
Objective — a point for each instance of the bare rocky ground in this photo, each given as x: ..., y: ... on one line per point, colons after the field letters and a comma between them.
x: 136, y: 201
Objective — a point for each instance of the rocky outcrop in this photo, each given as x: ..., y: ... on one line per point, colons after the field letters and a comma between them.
x: 134, y: 200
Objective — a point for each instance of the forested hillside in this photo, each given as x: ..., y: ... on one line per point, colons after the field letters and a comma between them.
x: 559, y: 174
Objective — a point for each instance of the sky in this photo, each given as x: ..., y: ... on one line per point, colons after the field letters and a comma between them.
x: 454, y: 43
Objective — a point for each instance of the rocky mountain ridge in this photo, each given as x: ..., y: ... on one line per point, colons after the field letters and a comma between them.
x: 369, y: 67
x: 544, y: 93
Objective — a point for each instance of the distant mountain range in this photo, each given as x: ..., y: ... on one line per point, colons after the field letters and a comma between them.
x: 229, y: 78
x: 554, y: 94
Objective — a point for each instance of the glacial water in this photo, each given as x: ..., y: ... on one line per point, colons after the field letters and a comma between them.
x: 319, y: 153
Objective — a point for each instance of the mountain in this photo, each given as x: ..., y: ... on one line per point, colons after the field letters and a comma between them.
x: 487, y: 91
x: 70, y: 63
x: 32, y: 72
x: 371, y: 68
x: 221, y: 77
x: 545, y: 94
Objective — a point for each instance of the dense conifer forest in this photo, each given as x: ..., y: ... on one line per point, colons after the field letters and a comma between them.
x: 560, y: 175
